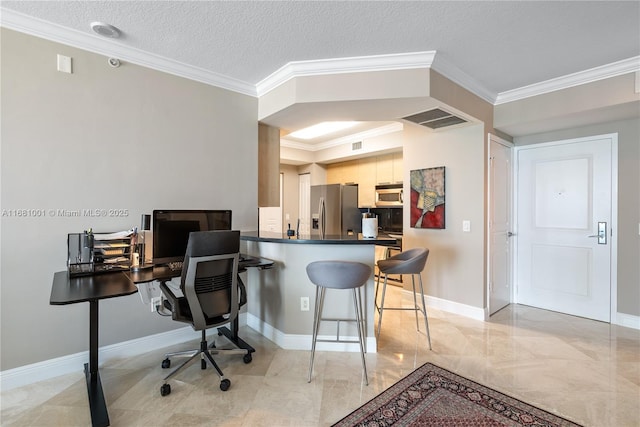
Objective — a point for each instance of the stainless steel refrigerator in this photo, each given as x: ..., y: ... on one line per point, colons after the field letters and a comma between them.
x: 334, y: 210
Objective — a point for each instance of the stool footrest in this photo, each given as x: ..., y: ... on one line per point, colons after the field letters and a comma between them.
x: 340, y: 341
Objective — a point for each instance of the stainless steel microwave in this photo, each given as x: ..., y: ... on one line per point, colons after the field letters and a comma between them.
x: 389, y: 196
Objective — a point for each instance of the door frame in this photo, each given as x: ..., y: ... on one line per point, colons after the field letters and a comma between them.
x: 613, y: 234
x: 491, y: 137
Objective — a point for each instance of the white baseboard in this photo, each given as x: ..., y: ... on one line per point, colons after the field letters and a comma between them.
x: 303, y: 342
x: 52, y: 368
x: 470, y: 311
x: 627, y: 320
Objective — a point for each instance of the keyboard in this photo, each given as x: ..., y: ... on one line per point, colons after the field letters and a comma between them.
x: 175, y: 265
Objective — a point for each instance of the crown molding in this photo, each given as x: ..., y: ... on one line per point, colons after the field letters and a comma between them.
x: 382, y: 130
x: 456, y: 75
x: 399, y: 61
x: 428, y: 59
x: 614, y: 69
x: 37, y: 27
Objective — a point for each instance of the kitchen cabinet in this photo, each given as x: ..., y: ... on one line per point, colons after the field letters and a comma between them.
x: 398, y: 168
x: 367, y: 182
x: 389, y: 169
x: 343, y: 173
x: 367, y: 173
x: 334, y: 173
x: 350, y: 172
x: 384, y: 169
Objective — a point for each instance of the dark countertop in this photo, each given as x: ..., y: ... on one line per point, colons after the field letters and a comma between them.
x: 266, y: 236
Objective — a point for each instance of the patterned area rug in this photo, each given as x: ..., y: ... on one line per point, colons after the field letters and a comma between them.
x: 432, y: 396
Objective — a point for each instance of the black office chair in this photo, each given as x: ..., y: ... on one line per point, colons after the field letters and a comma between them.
x: 209, y: 284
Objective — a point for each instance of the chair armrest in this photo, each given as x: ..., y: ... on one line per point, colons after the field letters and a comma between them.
x: 176, y: 312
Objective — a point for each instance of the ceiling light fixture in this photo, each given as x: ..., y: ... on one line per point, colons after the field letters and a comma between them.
x: 320, y: 129
x: 105, y: 30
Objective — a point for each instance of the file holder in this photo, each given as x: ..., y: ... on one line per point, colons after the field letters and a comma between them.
x: 80, y: 254
x: 89, y: 255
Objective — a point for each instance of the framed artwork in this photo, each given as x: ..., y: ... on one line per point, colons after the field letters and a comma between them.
x: 427, y: 198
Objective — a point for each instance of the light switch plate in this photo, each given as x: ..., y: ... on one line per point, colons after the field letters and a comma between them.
x: 64, y: 64
x: 466, y: 226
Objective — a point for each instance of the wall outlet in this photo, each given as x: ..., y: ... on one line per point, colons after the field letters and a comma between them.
x: 155, y: 302
x: 304, y: 303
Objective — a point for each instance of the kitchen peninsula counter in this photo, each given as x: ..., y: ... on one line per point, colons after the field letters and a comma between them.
x: 274, y: 296
x: 351, y: 239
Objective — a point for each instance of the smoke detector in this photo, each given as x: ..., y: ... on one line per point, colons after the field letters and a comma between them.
x: 105, y: 30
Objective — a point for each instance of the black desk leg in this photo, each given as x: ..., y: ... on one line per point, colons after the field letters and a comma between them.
x: 97, y: 404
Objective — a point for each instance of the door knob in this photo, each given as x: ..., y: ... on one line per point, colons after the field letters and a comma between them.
x: 510, y: 234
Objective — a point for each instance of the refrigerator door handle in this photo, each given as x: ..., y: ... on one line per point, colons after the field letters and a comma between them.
x: 321, y: 219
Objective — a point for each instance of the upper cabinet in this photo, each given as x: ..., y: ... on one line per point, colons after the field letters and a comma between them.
x: 367, y: 173
x: 367, y: 182
x: 398, y: 168
x: 268, y: 166
x: 389, y: 169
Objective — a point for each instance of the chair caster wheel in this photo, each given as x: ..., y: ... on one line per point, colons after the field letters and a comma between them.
x: 166, y: 364
x: 165, y: 390
x: 247, y: 358
x: 225, y: 384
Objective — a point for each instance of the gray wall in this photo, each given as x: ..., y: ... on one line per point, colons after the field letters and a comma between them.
x: 455, y: 268
x: 126, y: 138
x: 628, y: 201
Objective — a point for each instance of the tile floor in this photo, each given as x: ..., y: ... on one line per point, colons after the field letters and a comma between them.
x: 584, y: 370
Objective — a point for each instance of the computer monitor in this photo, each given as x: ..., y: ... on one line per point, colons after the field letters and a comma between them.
x: 171, y: 230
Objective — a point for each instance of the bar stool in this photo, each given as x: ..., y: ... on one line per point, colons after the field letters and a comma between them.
x: 411, y: 262
x: 338, y: 275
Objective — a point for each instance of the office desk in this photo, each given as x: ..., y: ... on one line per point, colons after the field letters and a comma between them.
x: 71, y: 290
x: 91, y: 289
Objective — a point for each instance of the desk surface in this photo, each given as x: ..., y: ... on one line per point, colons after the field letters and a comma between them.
x: 71, y: 290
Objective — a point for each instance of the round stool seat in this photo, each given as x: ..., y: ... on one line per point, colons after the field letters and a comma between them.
x: 411, y: 261
x: 338, y: 274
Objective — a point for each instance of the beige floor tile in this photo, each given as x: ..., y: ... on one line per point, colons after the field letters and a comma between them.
x: 580, y: 369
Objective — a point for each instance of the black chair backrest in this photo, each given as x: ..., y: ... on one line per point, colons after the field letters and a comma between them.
x: 209, y: 276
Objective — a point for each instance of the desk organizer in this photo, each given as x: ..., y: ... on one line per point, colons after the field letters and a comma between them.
x: 90, y: 253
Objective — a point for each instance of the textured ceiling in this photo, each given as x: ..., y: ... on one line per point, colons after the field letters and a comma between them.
x: 502, y: 45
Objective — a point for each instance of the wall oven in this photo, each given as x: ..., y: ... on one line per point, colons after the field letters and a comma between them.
x: 389, y: 196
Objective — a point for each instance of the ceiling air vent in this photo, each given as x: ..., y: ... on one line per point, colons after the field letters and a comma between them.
x: 356, y: 146
x: 435, y: 119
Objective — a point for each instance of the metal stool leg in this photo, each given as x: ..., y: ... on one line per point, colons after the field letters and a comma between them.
x: 424, y: 307
x: 359, y: 324
x: 317, y: 313
x: 415, y: 302
x: 381, y: 309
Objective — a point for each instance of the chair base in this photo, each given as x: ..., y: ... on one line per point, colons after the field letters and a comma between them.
x: 205, y: 355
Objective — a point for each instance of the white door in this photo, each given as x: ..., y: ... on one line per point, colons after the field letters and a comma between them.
x: 564, y: 226
x: 500, y: 235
